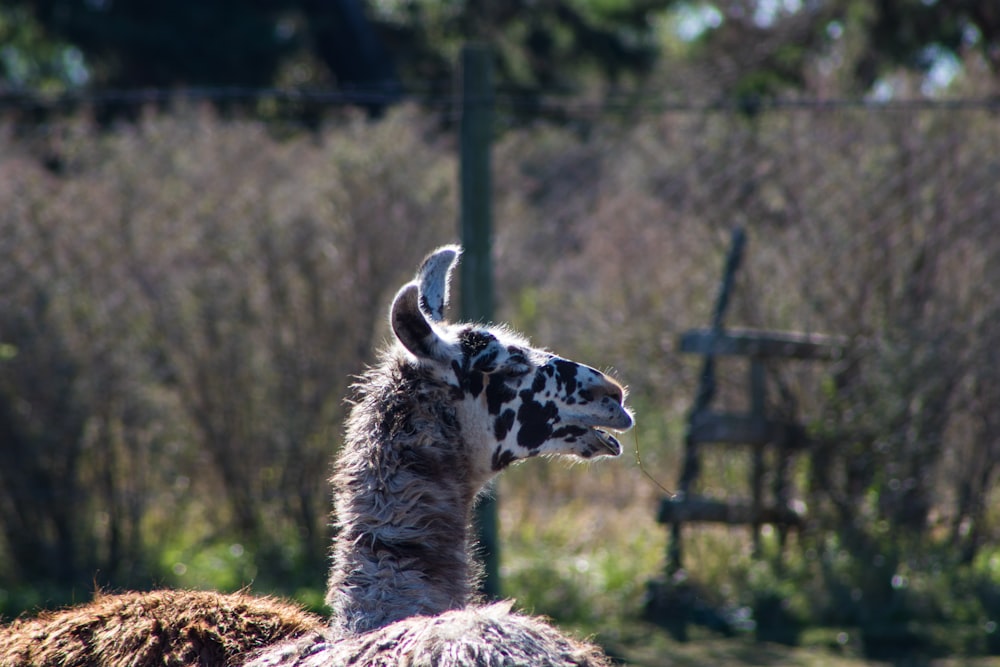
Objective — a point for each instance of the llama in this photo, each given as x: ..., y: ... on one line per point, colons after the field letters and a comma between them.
x: 448, y: 407
x: 161, y: 628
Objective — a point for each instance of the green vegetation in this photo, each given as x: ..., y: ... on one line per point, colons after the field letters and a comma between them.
x: 694, y: 49
x: 184, y: 299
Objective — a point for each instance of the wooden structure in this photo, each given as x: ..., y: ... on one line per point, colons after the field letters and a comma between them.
x: 755, y: 430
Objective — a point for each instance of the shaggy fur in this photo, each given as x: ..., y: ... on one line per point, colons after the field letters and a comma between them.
x: 403, y: 501
x: 490, y: 636
x: 161, y: 628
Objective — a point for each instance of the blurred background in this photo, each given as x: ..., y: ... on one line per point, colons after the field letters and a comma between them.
x: 205, y: 207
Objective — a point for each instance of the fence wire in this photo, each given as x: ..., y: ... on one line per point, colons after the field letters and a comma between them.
x: 183, y: 297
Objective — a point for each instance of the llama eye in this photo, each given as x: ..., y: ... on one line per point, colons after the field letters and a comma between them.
x: 517, y: 365
x: 517, y: 370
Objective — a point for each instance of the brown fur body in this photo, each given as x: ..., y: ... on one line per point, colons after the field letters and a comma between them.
x: 162, y: 628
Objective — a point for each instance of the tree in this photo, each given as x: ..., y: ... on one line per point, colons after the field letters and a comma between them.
x: 910, y: 33
x: 349, y: 43
x: 839, y: 46
x: 744, y: 47
x: 130, y: 43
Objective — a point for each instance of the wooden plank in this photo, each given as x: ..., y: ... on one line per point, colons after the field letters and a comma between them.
x: 741, y: 429
x: 764, y: 344
x: 704, y: 510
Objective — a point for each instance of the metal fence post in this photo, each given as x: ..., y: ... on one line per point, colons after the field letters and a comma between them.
x: 476, y: 269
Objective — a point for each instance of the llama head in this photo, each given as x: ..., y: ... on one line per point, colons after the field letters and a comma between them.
x: 513, y: 401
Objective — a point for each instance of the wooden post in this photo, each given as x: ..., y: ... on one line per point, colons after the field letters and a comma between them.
x: 758, y: 402
x: 706, y: 391
x: 476, y: 301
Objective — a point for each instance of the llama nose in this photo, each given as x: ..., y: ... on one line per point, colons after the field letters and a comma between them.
x: 608, y: 388
x: 618, y: 416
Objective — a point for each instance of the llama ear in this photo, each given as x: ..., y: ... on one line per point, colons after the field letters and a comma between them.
x: 434, y: 277
x: 411, y: 326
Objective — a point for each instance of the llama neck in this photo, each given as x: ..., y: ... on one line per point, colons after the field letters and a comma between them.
x: 403, y: 505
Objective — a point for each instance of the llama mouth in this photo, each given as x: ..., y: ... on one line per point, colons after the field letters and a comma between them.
x: 607, y: 441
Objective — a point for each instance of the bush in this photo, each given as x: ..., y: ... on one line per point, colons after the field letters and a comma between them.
x: 184, y: 299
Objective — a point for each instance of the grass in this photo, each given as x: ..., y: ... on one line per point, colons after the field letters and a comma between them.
x: 647, y: 649
x: 580, y: 544
x: 641, y: 645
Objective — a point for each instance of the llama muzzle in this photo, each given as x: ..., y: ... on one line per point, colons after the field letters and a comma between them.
x: 608, y: 442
